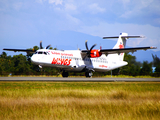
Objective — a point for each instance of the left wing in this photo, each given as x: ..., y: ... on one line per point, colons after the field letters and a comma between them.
x: 21, y: 50
x: 123, y: 50
x: 27, y: 50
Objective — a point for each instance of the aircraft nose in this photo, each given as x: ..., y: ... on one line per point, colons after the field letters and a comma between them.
x: 33, y: 59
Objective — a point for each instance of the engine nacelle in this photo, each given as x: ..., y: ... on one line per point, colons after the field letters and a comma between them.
x: 95, y: 53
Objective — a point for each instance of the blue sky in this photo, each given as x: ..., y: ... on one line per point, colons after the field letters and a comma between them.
x: 66, y: 24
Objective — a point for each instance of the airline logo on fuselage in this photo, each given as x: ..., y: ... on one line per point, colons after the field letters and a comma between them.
x: 60, y: 61
x: 103, y: 66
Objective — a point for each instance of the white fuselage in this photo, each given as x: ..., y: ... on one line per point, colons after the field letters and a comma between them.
x: 71, y: 60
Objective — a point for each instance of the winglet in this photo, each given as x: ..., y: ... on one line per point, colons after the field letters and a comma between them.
x: 153, y: 47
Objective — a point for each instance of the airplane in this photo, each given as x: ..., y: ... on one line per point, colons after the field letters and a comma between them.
x: 88, y: 61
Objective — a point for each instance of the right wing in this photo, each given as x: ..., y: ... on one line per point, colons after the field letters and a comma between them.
x: 124, y: 50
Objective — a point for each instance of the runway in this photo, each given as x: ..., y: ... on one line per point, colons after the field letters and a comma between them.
x: 75, y: 79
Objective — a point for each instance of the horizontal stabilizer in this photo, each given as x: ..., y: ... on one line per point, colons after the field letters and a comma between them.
x: 123, y: 37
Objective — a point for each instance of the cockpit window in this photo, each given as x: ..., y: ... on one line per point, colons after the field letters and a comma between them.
x: 40, y: 52
x: 45, y: 53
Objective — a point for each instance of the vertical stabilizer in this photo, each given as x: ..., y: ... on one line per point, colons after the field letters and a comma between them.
x: 121, y: 43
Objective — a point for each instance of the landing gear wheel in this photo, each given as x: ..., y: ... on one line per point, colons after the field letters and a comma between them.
x: 88, y: 74
x: 65, y: 74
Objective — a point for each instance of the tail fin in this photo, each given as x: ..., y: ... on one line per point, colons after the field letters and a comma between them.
x: 121, y: 43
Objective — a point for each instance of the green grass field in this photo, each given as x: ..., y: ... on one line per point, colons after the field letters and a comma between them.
x: 80, y: 100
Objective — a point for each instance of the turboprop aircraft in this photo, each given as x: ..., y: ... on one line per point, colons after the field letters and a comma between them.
x: 88, y: 61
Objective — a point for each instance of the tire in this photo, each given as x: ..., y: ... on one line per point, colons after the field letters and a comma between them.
x: 88, y: 74
x: 65, y: 74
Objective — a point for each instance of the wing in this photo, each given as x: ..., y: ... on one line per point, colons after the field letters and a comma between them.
x: 21, y: 50
x: 124, y: 50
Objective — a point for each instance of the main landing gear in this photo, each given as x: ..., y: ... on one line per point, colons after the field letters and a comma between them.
x: 64, y: 73
x: 88, y: 74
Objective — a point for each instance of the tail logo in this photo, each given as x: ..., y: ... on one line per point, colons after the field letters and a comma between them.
x: 121, y: 46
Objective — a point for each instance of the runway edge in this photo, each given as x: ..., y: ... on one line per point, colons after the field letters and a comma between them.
x: 75, y: 79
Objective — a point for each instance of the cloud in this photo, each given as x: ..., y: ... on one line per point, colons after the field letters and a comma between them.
x: 94, y: 8
x: 56, y: 2
x: 17, y: 6
x: 141, y: 7
x: 72, y: 19
x: 66, y: 16
x: 39, y: 1
x: 106, y: 29
x: 70, y: 7
x: 97, y: 18
x: 125, y: 2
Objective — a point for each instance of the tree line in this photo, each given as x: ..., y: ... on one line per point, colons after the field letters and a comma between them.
x: 21, y: 65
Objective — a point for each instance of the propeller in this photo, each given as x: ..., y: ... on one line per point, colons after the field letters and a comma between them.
x: 89, y: 51
x: 48, y: 46
x: 42, y: 47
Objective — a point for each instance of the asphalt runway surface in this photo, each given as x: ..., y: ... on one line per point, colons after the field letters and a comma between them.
x: 75, y: 79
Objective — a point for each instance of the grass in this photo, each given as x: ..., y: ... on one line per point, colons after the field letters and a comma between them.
x: 127, y: 76
x: 83, y: 100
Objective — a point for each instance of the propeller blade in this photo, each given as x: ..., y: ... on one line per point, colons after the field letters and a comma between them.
x: 41, y: 45
x: 93, y: 46
x: 86, y: 44
x: 48, y: 46
x: 88, y: 51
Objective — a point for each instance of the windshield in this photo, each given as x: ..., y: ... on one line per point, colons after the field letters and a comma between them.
x: 42, y: 52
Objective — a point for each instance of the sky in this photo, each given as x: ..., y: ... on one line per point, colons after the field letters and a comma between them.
x: 66, y: 24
